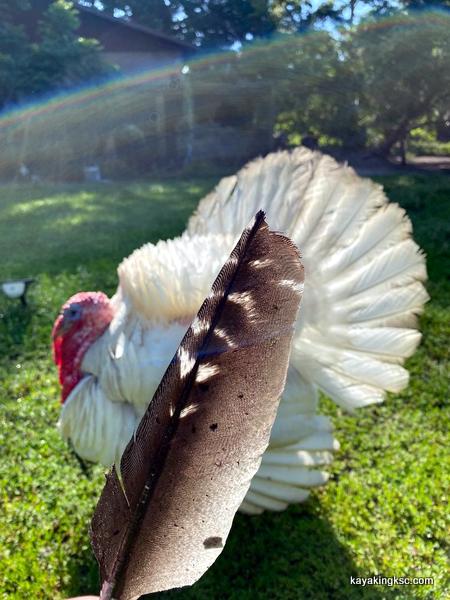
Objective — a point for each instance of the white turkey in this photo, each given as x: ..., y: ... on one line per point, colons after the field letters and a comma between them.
x: 357, y: 324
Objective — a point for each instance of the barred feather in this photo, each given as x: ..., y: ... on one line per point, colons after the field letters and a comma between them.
x: 164, y: 518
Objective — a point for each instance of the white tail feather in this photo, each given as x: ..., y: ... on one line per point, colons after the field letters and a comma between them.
x: 399, y: 265
x: 290, y: 429
x: 248, y: 508
x: 265, y: 502
x: 279, y: 491
x: 299, y: 457
x: 409, y: 299
x: 385, y: 228
x: 297, y: 475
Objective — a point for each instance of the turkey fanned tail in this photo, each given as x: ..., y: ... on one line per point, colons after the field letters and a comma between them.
x: 363, y: 292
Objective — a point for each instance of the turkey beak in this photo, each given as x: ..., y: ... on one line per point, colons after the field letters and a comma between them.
x: 56, y: 327
x: 59, y: 328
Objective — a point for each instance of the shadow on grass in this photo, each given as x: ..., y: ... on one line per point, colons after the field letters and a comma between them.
x: 265, y: 557
x: 15, y: 320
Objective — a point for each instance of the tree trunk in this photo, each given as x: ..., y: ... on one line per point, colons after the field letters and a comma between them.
x: 399, y: 134
x: 352, y: 11
x: 403, y: 151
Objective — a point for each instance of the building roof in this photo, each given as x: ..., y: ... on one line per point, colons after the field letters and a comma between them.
x: 129, y: 24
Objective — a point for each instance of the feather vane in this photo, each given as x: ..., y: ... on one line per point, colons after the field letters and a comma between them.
x: 164, y: 519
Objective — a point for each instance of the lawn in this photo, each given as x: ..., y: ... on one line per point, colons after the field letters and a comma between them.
x: 385, y: 509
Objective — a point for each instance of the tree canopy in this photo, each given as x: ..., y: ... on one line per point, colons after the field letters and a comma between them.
x: 367, y: 87
x: 222, y: 23
x: 35, y: 63
x: 407, y: 84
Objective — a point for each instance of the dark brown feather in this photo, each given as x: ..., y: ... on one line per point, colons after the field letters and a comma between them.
x: 200, y: 442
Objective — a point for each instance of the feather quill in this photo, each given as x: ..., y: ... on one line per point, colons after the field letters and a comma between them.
x: 200, y: 442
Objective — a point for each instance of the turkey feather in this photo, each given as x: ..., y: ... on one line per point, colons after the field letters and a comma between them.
x: 88, y: 418
x: 290, y: 429
x: 190, y: 463
x: 293, y: 475
x: 400, y: 264
x: 248, y: 508
x: 410, y: 298
x: 299, y: 457
x: 316, y: 442
x: 385, y: 228
x: 279, y: 491
x: 364, y: 273
x: 266, y: 501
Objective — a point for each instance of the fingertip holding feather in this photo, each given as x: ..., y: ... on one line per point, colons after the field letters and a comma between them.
x: 200, y: 442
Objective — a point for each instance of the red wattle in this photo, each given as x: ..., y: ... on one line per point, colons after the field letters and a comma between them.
x: 83, y: 319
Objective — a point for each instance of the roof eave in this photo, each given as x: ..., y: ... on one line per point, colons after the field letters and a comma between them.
x: 137, y: 27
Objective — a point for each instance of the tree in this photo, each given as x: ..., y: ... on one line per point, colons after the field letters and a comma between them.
x: 404, y: 71
x: 424, y: 4
x: 216, y: 23
x: 316, y: 93
x: 368, y: 87
x: 209, y: 23
x: 156, y: 14
x: 57, y: 57
x: 222, y: 23
x: 296, y: 16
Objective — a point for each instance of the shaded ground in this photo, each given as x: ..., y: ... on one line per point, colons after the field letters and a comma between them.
x: 431, y: 163
x: 370, y: 165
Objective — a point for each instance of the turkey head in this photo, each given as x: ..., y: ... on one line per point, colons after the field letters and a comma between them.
x: 81, y: 321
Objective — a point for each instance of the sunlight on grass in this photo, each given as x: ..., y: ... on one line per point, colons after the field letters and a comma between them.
x: 385, y: 509
x: 74, y: 202
x: 59, y: 228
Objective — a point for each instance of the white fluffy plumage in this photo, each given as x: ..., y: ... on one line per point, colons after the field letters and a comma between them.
x: 357, y: 324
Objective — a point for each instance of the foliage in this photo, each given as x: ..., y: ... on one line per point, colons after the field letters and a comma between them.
x: 385, y: 510
x: 339, y: 88
x: 316, y: 94
x: 33, y: 64
x: 222, y: 23
x: 348, y: 91
x: 210, y: 24
x: 423, y: 141
x: 421, y: 4
x: 406, y: 84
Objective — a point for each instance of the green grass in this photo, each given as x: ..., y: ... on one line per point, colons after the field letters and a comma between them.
x: 385, y: 510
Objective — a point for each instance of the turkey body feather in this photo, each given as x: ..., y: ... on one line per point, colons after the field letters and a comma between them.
x: 363, y: 291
